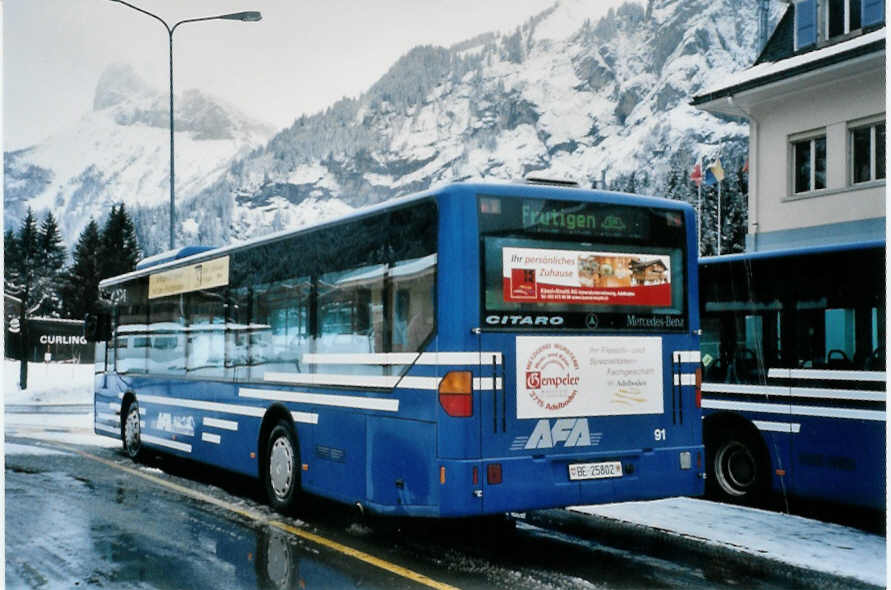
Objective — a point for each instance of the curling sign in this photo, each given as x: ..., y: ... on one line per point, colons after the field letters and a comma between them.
x: 588, y: 376
x: 534, y: 275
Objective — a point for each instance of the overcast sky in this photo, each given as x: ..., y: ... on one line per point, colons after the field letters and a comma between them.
x: 303, y: 55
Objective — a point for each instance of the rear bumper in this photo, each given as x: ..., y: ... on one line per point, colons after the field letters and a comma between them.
x: 532, y: 483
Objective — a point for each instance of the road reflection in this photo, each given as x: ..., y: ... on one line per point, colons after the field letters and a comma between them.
x: 72, y: 522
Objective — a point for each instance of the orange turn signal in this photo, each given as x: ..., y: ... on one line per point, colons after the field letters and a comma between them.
x: 456, y: 394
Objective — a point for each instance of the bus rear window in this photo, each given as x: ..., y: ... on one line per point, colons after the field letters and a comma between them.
x: 581, y: 265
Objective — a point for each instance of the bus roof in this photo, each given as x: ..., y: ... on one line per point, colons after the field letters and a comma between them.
x: 511, y: 189
x: 802, y: 251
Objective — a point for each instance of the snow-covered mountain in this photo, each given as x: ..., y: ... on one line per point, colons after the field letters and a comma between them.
x: 564, y: 94
x: 119, y: 152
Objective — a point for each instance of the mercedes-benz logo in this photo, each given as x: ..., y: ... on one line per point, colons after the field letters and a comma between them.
x: 591, y: 321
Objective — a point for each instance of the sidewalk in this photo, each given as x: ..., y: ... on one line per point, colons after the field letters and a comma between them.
x: 832, y: 549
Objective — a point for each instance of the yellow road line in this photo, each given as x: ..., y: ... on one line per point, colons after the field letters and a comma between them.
x: 261, y: 519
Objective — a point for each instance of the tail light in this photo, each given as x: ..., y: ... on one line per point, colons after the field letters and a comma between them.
x: 493, y: 473
x: 456, y: 394
x: 698, y: 387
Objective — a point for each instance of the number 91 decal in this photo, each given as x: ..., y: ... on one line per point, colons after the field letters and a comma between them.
x: 660, y: 434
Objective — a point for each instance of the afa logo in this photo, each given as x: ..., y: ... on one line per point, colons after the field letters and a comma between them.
x: 572, y: 432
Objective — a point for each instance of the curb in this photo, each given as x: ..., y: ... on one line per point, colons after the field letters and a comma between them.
x: 630, y: 535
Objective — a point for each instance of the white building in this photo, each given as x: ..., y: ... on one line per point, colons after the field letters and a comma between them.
x: 815, y: 101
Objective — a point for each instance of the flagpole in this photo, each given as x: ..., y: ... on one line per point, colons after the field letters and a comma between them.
x: 699, y: 220
x: 719, y: 218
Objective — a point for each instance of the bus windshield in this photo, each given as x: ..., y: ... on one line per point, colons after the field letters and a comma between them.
x: 581, y: 265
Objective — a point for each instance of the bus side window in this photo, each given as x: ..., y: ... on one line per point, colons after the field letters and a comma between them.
x: 413, y: 306
x: 713, y: 365
x: 166, y: 336
x: 131, y: 336
x: 205, y: 346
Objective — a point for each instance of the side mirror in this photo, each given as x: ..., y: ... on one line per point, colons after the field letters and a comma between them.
x: 97, y: 327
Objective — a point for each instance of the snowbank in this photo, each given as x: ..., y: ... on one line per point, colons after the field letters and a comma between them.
x: 48, y: 383
x: 806, y: 543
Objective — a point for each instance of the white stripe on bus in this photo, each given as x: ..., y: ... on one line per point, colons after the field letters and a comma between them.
x: 685, y: 379
x: 380, y: 381
x: 240, y: 410
x: 113, y: 418
x: 403, y: 358
x: 834, y: 394
x: 744, y: 389
x: 482, y: 384
x: 163, y: 442
x: 687, y: 356
x: 218, y: 423
x: 319, y: 399
x: 305, y: 417
x: 786, y: 427
x: 816, y: 411
x: 210, y: 437
x: 106, y: 428
x: 826, y: 375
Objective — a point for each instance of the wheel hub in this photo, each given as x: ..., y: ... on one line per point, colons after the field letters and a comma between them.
x: 131, y: 428
x: 735, y: 468
x: 281, y: 462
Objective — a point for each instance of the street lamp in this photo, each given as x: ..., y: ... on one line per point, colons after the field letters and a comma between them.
x: 249, y: 16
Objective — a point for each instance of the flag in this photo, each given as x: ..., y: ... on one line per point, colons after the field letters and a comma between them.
x: 696, y: 175
x: 714, y: 173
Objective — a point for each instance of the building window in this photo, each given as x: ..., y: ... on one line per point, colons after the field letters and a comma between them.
x: 842, y: 17
x: 867, y: 152
x: 809, y: 164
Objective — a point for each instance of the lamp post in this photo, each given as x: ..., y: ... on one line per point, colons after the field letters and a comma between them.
x: 250, y: 16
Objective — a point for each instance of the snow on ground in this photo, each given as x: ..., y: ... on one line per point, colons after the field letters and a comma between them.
x: 48, y: 383
x: 806, y: 543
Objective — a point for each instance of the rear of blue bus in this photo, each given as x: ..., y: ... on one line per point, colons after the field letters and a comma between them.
x: 582, y: 307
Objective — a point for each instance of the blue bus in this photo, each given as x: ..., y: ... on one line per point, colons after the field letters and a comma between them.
x: 793, y: 354
x: 475, y: 349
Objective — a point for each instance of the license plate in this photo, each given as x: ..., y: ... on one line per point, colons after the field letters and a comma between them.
x: 595, y: 470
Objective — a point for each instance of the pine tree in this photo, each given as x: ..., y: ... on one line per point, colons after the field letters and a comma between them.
x: 22, y: 260
x: 119, y: 249
x: 50, y: 262
x: 80, y: 287
x: 21, y: 271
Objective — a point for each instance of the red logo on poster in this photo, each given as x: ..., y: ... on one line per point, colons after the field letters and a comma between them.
x: 533, y: 379
x: 522, y: 283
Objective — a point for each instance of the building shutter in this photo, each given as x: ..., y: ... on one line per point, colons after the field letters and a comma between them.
x: 806, y: 23
x: 873, y: 12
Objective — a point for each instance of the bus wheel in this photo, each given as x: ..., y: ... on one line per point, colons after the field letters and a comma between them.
x: 281, y: 472
x: 130, y: 431
x: 737, y: 469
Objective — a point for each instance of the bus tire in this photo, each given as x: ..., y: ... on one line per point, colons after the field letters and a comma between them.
x: 130, y: 430
x: 281, y: 469
x: 737, y: 467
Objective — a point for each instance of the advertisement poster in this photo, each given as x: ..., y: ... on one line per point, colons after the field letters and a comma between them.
x: 589, y: 376
x: 586, y: 278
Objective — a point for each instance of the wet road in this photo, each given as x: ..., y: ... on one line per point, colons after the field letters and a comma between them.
x: 89, y: 517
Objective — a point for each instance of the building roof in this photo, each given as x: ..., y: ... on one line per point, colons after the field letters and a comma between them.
x: 789, y: 65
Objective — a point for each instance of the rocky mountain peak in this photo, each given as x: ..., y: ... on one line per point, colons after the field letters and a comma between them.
x: 119, y: 83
